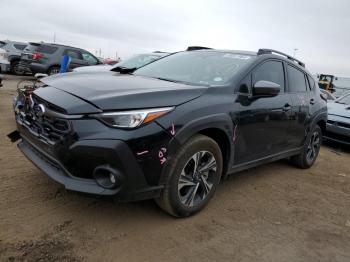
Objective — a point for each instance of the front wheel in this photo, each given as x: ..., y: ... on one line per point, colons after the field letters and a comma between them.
x: 192, y: 177
x: 310, y: 150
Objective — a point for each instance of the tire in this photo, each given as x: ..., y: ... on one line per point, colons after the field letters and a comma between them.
x: 53, y: 70
x: 15, y: 68
x: 190, y: 195
x: 310, y: 150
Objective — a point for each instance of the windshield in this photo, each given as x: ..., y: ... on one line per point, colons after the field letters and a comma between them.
x: 326, y: 78
x: 138, y: 61
x: 196, y: 67
x: 344, y: 100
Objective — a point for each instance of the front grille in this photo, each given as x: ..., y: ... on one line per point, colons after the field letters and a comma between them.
x: 49, y: 128
x: 24, y: 65
x: 39, y: 100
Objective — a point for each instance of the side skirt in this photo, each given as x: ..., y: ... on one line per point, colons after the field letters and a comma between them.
x: 264, y: 160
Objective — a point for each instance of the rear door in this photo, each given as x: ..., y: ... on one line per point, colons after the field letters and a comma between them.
x: 262, y: 121
x: 299, y: 90
x: 76, y: 58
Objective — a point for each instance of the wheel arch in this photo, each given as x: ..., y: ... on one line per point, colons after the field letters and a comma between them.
x: 218, y: 127
x: 322, y: 124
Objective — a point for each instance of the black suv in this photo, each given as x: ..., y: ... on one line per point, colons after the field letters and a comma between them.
x: 46, y: 58
x: 174, y: 128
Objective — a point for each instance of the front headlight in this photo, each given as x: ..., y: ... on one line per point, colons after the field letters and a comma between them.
x: 131, y: 119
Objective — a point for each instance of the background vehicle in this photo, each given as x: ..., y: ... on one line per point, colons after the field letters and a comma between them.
x: 326, y: 82
x: 10, y: 53
x: 132, y: 63
x: 46, y: 58
x: 174, y: 127
x: 328, y: 95
x: 338, y: 123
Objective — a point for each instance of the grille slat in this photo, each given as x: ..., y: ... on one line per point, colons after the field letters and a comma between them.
x: 49, y: 128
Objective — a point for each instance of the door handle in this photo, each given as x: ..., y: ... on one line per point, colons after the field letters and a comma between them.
x: 287, y: 107
x: 312, y: 101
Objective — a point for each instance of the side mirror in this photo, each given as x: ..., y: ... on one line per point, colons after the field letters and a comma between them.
x: 266, y: 88
x: 336, y: 78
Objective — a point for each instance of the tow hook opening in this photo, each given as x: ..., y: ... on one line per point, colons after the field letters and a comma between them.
x: 14, y: 136
x: 108, y: 177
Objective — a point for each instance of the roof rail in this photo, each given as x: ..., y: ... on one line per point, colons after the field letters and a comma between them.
x: 192, y: 48
x: 265, y: 51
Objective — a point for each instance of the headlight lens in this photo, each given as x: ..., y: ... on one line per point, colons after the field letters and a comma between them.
x: 131, y: 119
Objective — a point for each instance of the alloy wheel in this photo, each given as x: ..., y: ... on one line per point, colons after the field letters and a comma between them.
x: 197, y: 178
x: 313, y: 147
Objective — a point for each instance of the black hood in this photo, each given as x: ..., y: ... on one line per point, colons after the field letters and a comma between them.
x: 112, y: 91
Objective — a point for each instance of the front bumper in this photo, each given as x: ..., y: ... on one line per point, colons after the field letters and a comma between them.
x: 133, y: 188
x: 4, y: 66
x: 338, y: 130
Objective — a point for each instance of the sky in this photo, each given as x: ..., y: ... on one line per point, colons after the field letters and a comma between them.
x: 318, y: 29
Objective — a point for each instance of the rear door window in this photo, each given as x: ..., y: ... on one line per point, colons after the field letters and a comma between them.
x: 2, y: 44
x: 74, y: 54
x: 19, y: 46
x: 311, y: 82
x: 46, y: 49
x: 296, y: 80
x: 270, y: 71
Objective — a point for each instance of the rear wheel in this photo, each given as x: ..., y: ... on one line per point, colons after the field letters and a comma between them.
x: 192, y: 177
x: 310, y: 150
x: 53, y: 70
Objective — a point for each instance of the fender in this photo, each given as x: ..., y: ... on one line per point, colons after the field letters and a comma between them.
x: 218, y: 121
x: 320, y: 115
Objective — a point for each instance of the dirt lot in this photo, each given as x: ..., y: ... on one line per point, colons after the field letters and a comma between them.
x: 271, y: 213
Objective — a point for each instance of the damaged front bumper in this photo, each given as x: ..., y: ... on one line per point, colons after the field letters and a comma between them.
x: 131, y: 187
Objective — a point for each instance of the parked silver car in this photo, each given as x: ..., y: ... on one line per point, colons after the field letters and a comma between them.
x: 338, y: 123
x: 10, y: 54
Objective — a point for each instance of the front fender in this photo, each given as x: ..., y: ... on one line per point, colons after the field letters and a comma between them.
x: 222, y: 122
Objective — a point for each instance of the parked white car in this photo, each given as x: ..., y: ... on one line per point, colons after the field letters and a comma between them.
x: 10, y: 53
x: 4, y: 63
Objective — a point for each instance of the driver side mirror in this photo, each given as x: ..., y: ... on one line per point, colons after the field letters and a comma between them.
x: 266, y: 88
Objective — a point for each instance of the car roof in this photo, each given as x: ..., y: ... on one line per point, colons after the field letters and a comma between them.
x: 54, y: 44
x: 13, y: 42
x: 280, y: 56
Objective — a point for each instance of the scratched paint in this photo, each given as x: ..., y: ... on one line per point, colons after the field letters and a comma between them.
x: 172, y: 131
x: 142, y: 153
x: 234, y: 133
x: 161, y: 155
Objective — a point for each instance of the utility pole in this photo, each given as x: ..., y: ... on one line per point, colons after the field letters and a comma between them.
x: 54, y: 37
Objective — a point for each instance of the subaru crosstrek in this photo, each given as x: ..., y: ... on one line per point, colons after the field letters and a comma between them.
x: 174, y: 128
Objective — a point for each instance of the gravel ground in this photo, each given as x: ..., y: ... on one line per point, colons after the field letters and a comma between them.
x: 274, y: 212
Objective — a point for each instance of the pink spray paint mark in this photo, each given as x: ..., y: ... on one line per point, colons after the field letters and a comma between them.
x: 234, y: 133
x: 161, y: 155
x: 142, y: 153
x: 172, y: 131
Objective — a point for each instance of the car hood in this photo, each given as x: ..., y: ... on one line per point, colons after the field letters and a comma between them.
x: 114, y: 91
x: 339, y: 109
x: 95, y: 68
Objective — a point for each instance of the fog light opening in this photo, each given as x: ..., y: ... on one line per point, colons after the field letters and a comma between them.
x: 107, y: 177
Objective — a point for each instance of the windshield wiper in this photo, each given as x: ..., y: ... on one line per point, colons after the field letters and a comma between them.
x: 124, y: 70
x: 169, y: 80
